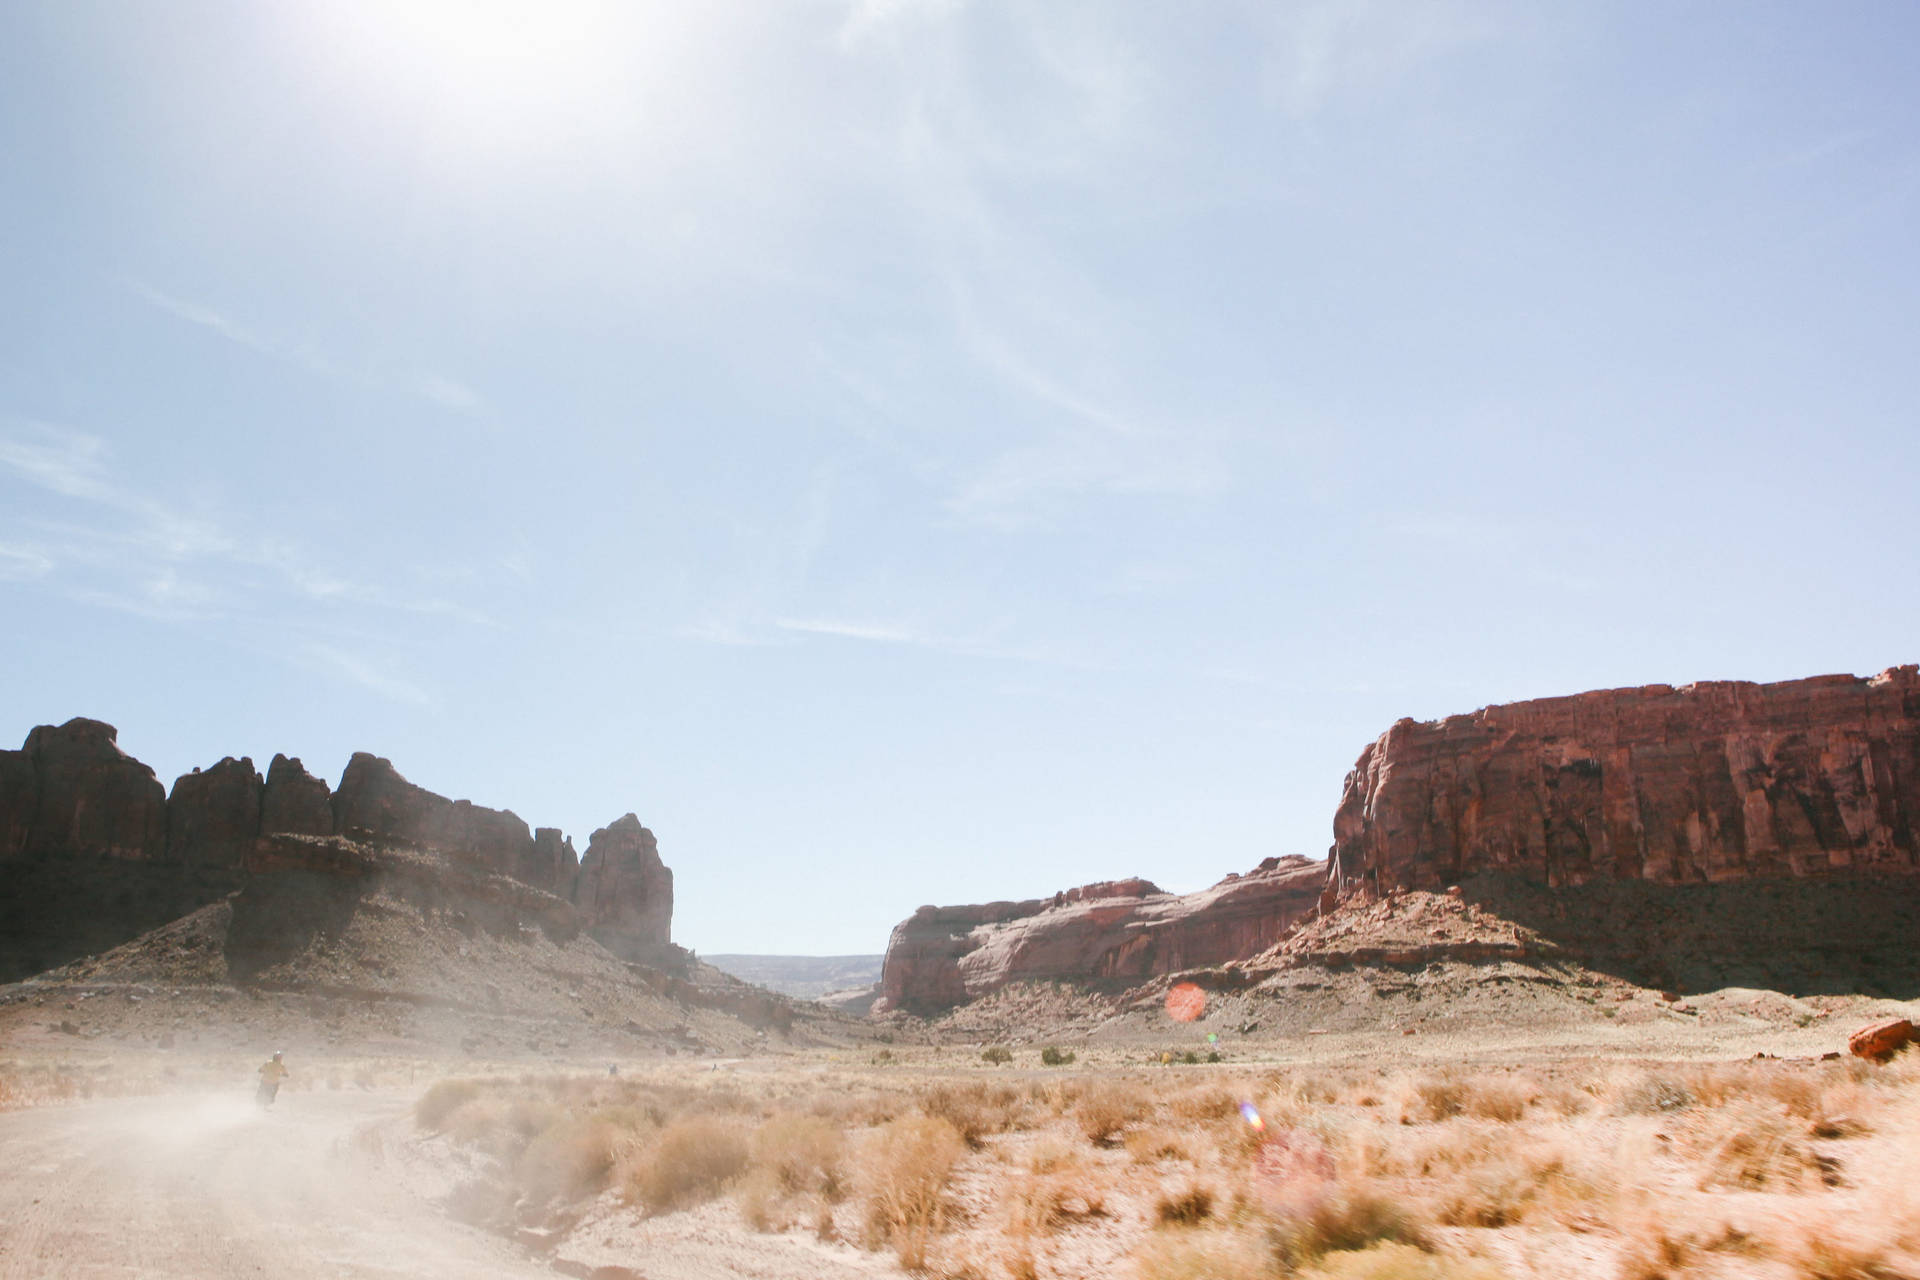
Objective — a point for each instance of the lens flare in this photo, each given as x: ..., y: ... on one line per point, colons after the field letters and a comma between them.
x: 1251, y: 1114
x: 1186, y: 1002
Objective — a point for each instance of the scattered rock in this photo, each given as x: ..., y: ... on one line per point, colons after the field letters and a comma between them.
x: 1879, y: 1041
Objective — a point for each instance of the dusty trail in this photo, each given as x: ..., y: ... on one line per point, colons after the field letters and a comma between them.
x: 212, y: 1187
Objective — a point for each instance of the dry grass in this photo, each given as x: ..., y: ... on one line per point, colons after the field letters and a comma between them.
x: 1106, y: 1109
x: 905, y: 1168
x: 690, y: 1161
x: 1349, y: 1173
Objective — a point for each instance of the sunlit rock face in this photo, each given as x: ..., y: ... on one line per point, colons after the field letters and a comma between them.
x: 1121, y: 931
x: 1710, y: 782
x: 625, y: 893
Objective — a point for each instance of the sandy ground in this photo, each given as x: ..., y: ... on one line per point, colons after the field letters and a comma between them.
x: 211, y: 1186
x: 323, y: 1185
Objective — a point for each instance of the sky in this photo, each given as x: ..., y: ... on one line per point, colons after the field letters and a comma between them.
x: 938, y: 452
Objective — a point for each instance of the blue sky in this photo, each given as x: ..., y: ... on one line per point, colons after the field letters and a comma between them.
x: 939, y: 452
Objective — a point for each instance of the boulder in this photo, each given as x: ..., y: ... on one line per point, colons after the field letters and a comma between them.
x: 1119, y: 931
x: 1880, y: 1040
x: 19, y: 796
x: 94, y: 800
x: 1711, y: 782
x: 295, y: 802
x: 213, y: 815
x: 625, y: 893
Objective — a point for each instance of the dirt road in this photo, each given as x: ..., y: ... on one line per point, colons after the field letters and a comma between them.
x: 213, y: 1187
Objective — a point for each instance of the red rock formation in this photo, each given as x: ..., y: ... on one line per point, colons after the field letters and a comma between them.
x: 1706, y: 783
x: 92, y: 798
x: 295, y: 802
x: 374, y: 798
x: 1880, y: 1040
x: 1118, y: 930
x: 625, y: 893
x: 213, y: 816
x: 73, y: 797
x: 550, y: 862
x: 19, y: 796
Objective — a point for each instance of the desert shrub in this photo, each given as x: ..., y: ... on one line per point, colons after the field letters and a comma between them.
x: 1153, y: 1143
x: 972, y: 1109
x: 1826, y: 1254
x: 1398, y: 1262
x: 1204, y: 1255
x: 1105, y: 1110
x: 569, y: 1159
x: 1039, y: 1203
x: 441, y: 1100
x: 905, y: 1168
x: 1054, y: 1056
x: 802, y: 1154
x: 689, y: 1161
x: 999, y: 1055
x: 1186, y: 1207
x: 1754, y: 1147
x: 1206, y: 1104
x: 1351, y: 1217
x: 1650, y: 1094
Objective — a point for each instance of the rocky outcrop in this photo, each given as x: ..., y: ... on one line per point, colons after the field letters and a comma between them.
x: 549, y: 862
x: 1118, y: 931
x: 373, y: 798
x: 213, y: 816
x: 625, y: 893
x: 91, y: 798
x: 1881, y: 1040
x: 1707, y: 783
x: 98, y: 853
x: 295, y: 802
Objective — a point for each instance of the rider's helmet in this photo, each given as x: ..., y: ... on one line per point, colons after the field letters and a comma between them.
x: 276, y: 1055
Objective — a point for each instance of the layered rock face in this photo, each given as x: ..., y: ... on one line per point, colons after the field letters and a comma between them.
x: 624, y: 892
x: 1707, y: 783
x: 101, y: 853
x: 1123, y: 931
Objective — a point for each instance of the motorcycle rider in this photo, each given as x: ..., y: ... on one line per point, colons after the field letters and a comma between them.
x: 271, y: 1074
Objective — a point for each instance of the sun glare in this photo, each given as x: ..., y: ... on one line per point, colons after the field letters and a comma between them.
x: 488, y: 64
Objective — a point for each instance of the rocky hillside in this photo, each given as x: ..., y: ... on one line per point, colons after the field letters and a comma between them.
x: 95, y: 852
x: 1707, y: 783
x: 1117, y: 932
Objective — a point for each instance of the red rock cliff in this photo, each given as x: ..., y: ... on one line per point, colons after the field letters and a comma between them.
x: 1710, y: 782
x: 1120, y: 930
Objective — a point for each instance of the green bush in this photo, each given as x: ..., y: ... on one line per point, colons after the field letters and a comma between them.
x: 999, y: 1055
x: 1054, y: 1056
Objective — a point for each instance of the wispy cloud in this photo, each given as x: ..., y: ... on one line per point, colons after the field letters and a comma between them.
x: 881, y: 632
x: 435, y: 388
x: 358, y: 670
